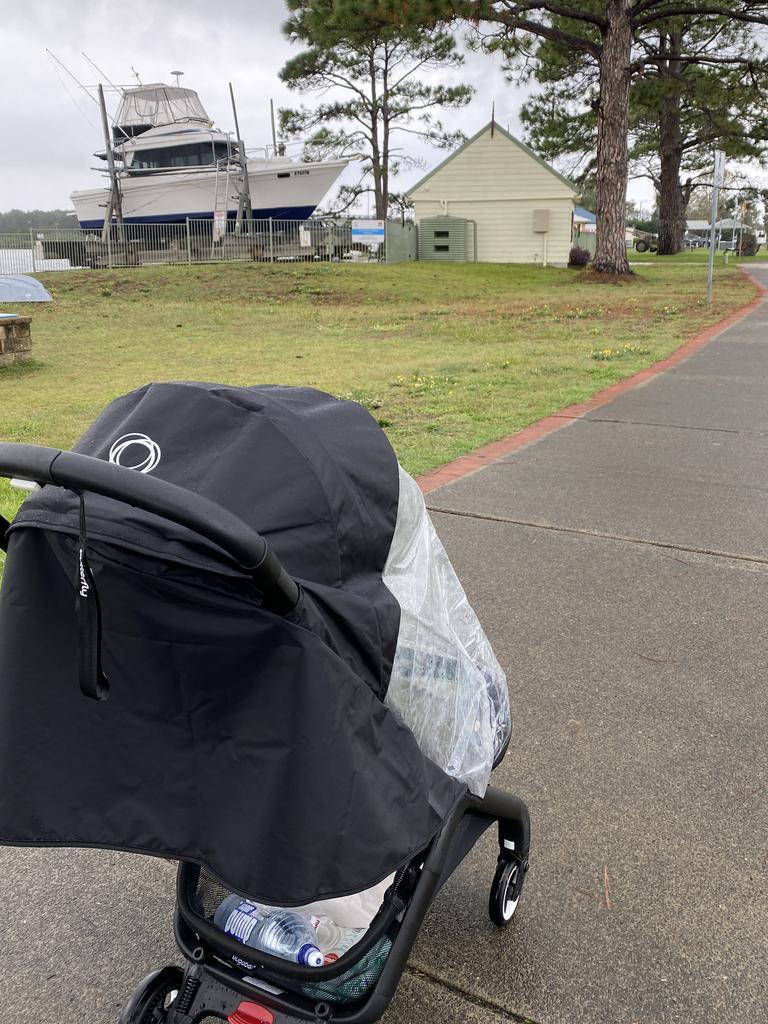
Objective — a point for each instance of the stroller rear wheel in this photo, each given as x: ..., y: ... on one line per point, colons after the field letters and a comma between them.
x: 154, y: 997
x: 505, y: 891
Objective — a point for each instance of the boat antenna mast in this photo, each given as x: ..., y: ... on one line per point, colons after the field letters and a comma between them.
x: 107, y: 79
x: 75, y: 79
x: 115, y: 201
x: 244, y: 207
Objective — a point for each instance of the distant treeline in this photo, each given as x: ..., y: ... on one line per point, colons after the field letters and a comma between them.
x: 23, y: 220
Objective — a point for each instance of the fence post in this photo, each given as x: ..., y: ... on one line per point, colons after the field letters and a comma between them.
x: 32, y: 242
x: 271, y: 243
x: 189, y: 244
x: 109, y: 247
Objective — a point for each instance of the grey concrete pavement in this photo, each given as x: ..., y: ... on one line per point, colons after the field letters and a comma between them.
x: 637, y: 667
x: 638, y: 672
x: 637, y: 677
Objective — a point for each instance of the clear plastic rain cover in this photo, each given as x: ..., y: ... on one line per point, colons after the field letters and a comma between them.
x: 446, y: 683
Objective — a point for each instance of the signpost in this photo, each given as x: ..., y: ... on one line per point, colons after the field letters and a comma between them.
x: 219, y: 224
x: 718, y: 179
x: 369, y: 233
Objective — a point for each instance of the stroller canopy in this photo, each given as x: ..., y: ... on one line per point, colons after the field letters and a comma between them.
x: 258, y: 745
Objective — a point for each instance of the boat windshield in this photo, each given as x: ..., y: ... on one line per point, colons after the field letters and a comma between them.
x: 151, y: 106
x: 190, y: 155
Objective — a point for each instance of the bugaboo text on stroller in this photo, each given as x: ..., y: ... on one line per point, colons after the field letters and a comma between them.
x: 289, y: 692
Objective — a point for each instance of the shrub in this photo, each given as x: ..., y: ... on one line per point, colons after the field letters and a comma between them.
x: 578, y: 257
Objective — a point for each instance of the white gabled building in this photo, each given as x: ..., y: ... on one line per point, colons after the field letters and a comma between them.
x: 521, y: 207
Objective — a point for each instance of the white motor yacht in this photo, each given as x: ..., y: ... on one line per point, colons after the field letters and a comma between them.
x: 172, y: 164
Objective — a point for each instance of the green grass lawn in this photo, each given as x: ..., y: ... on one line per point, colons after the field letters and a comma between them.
x: 445, y: 356
x: 695, y: 256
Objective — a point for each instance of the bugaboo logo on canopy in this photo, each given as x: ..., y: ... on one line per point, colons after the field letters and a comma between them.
x: 144, y: 457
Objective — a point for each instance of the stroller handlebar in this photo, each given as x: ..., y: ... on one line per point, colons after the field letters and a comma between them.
x: 85, y: 473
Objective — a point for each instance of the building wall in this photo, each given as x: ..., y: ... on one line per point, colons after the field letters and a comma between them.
x: 505, y: 228
x: 498, y: 184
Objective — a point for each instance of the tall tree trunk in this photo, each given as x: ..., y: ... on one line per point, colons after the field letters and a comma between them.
x: 376, y: 161
x: 379, y: 193
x: 672, y: 204
x: 381, y: 208
x: 612, y: 129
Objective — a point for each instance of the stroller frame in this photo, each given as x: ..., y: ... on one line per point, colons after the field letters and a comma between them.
x: 224, y: 979
x: 211, y: 988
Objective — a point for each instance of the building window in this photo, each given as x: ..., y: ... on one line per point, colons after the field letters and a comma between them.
x: 442, y: 248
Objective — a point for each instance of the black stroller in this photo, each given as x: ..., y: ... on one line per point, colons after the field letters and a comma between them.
x: 250, y: 593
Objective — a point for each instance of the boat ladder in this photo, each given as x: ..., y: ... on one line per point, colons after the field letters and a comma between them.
x: 220, y: 206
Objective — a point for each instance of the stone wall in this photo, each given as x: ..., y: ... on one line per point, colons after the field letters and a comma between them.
x: 15, y: 339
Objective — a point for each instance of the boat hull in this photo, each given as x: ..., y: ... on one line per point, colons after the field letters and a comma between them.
x: 283, y: 192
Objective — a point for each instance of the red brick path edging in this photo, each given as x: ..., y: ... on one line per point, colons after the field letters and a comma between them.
x: 488, y: 453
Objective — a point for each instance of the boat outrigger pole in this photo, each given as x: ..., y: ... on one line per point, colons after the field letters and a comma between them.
x: 244, y: 207
x: 115, y: 202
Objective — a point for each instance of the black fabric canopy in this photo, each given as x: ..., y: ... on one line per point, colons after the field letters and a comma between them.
x: 254, y: 744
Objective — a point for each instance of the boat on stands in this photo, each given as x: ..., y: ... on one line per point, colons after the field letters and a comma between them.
x: 170, y: 164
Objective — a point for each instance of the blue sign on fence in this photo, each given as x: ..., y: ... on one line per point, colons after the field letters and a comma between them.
x: 368, y: 232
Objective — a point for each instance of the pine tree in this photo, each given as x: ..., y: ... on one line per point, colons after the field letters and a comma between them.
x: 605, y: 30
x: 679, y: 111
x: 377, y: 95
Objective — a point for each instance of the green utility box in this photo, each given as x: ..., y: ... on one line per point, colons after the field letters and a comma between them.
x: 448, y: 238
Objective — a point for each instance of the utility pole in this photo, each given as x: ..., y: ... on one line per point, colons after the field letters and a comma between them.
x: 718, y: 179
x: 115, y: 204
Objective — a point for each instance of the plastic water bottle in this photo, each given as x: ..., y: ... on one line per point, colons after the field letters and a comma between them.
x: 282, y: 933
x: 333, y: 940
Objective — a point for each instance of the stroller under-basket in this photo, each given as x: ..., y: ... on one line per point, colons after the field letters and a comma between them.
x: 289, y: 692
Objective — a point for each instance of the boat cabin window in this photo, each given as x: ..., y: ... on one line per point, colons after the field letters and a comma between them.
x: 194, y: 155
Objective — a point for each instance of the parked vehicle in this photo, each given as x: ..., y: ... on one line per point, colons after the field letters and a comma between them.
x: 646, y: 242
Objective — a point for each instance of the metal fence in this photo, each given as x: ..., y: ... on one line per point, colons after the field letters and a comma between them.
x: 199, y: 241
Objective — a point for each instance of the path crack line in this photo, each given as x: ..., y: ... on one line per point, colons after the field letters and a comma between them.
x: 469, y: 997
x: 622, y: 538
x: 668, y: 426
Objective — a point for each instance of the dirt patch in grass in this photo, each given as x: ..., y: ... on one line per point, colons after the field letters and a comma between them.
x: 591, y: 276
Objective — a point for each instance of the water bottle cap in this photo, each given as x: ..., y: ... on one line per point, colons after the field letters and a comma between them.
x: 310, y: 955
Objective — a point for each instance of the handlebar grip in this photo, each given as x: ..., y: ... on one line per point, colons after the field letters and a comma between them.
x: 280, y: 591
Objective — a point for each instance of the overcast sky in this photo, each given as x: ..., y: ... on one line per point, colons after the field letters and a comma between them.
x: 49, y: 129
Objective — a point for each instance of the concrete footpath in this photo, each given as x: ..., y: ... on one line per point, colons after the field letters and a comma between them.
x: 620, y: 566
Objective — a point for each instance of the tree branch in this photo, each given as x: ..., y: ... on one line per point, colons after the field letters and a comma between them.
x: 555, y: 35
x: 566, y: 11
x: 700, y: 11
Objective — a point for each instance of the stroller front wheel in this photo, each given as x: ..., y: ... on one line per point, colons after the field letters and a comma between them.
x: 154, y: 997
x: 505, y: 891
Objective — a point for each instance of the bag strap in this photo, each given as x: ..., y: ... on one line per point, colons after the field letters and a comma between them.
x: 93, y: 682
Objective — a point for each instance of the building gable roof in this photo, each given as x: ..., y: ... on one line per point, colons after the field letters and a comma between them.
x: 507, y: 135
